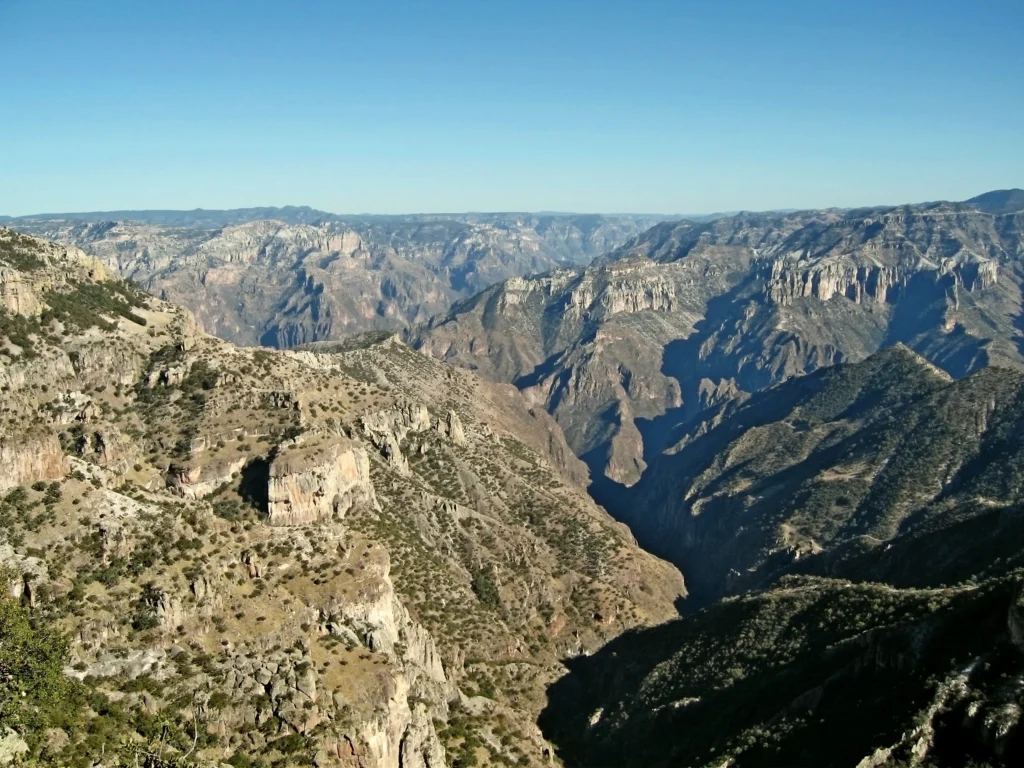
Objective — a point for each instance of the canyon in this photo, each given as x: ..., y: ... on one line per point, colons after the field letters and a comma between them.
x: 352, y: 556
x: 383, y: 548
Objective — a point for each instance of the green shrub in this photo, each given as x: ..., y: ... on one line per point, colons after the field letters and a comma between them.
x: 34, y: 692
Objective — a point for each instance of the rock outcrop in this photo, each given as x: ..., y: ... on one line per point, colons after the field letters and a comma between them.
x: 200, y: 479
x: 378, y: 620
x: 16, y: 294
x: 295, y: 641
x: 389, y: 428
x: 29, y: 459
x: 453, y: 428
x: 750, y: 300
x: 317, y: 480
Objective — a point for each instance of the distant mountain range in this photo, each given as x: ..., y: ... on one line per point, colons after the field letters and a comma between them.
x: 287, y: 276
x: 303, y: 214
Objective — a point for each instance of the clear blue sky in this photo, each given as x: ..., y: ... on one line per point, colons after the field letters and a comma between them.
x: 684, y: 106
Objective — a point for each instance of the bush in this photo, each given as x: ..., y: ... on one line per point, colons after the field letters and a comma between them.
x: 89, y: 304
x: 34, y: 692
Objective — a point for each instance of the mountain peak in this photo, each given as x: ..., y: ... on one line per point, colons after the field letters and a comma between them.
x: 999, y: 201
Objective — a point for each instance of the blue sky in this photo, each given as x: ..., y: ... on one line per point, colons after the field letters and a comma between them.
x: 389, y: 107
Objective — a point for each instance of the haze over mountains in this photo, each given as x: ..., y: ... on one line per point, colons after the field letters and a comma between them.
x: 288, y: 276
x: 443, y: 436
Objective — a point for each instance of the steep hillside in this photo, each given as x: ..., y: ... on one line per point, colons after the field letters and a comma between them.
x: 356, y: 556
x: 999, y: 201
x: 689, y: 314
x: 811, y: 673
x: 844, y: 458
x: 285, y: 277
x: 865, y: 525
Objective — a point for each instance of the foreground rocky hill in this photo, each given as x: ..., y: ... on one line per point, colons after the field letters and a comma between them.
x: 865, y: 524
x: 813, y: 672
x: 690, y: 314
x: 285, y: 277
x: 351, y: 555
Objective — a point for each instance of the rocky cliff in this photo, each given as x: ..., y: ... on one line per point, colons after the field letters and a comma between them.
x: 864, y: 526
x: 317, y: 480
x: 29, y: 459
x: 857, y: 451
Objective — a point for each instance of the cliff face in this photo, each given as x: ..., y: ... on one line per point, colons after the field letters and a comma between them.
x: 29, y: 267
x: 624, y: 353
x: 197, y: 481
x: 30, y: 458
x: 16, y: 294
x: 859, y: 284
x: 318, y: 481
x: 857, y: 451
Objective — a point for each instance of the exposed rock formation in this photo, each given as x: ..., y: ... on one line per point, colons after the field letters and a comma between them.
x: 318, y: 480
x: 27, y: 574
x: 453, y: 428
x: 852, y: 453
x: 30, y: 458
x: 296, y: 641
x: 16, y: 293
x: 627, y: 351
x: 380, y: 622
x: 197, y: 480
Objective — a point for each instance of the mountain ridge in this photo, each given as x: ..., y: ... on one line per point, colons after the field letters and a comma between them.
x: 284, y: 284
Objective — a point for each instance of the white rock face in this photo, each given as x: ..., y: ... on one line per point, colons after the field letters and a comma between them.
x: 27, y: 573
x: 455, y: 429
x: 404, y: 737
x: 26, y: 460
x: 387, y: 429
x: 793, y: 277
x: 200, y: 480
x: 16, y: 295
x: 12, y: 747
x: 379, y: 620
x: 319, y: 481
x: 400, y: 733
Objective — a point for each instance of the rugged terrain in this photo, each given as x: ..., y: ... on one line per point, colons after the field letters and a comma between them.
x: 351, y: 553
x: 689, y: 314
x: 348, y: 555
x: 813, y: 672
x: 827, y: 465
x: 866, y: 521
x: 289, y: 276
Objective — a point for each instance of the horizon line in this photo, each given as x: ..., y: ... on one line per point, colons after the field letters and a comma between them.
x: 727, y: 212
